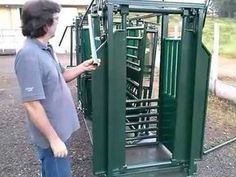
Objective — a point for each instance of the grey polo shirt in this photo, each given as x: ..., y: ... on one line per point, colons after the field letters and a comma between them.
x: 40, y: 78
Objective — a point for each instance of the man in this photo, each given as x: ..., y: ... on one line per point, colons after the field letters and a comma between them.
x: 52, y: 116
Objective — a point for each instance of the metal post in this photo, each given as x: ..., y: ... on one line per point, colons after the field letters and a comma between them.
x: 71, y: 46
x: 124, y: 11
x: 215, y: 58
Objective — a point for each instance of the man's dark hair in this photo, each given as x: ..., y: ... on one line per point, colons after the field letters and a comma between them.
x: 36, y: 14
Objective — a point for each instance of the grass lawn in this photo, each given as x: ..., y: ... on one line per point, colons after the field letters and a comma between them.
x: 227, y: 35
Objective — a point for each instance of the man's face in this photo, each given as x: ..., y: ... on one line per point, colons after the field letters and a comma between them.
x: 52, y: 29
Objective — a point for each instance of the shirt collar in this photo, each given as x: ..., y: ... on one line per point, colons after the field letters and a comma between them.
x: 39, y: 44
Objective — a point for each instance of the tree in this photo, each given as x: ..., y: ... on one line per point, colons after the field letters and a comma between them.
x: 225, y: 8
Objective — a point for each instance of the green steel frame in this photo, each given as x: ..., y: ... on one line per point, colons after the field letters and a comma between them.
x: 181, y: 107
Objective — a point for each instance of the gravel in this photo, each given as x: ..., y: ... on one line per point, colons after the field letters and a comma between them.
x: 17, y: 154
x: 18, y: 158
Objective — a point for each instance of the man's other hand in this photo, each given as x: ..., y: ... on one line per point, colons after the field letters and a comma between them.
x: 59, y: 148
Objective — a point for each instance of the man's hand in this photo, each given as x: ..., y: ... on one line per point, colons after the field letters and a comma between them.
x: 59, y: 148
x: 87, y: 65
x: 90, y: 65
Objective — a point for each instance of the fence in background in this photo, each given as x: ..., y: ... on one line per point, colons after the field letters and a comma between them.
x: 218, y: 87
x: 10, y: 41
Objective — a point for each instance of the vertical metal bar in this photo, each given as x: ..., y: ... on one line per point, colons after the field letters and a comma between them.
x: 164, y: 30
x: 110, y: 57
x: 124, y: 12
x: 194, y: 128
x: 78, y: 58
x: 155, y: 40
x: 77, y: 41
x: 124, y: 21
x: 99, y: 114
x: 201, y: 77
x: 116, y: 96
x: 141, y: 56
x: 185, y: 88
x: 71, y: 45
x: 175, y: 68
x: 163, y: 88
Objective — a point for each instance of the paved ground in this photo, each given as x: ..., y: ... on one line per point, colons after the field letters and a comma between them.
x: 17, y: 155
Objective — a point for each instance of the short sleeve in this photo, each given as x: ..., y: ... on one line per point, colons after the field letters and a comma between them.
x: 62, y: 68
x: 29, y: 77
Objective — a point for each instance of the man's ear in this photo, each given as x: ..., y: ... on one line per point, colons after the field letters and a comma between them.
x: 45, y: 28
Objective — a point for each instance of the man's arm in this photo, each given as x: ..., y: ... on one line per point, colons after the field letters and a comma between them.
x: 39, y: 118
x: 71, y: 74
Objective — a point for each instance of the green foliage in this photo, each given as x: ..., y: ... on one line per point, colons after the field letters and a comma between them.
x: 227, y: 35
x: 225, y: 8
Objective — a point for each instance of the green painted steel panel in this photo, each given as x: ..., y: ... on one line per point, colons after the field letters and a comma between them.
x: 99, y: 116
x: 117, y: 102
x: 200, y: 97
x: 99, y: 104
x: 84, y: 81
x: 86, y: 99
x: 185, y: 89
x: 115, y: 97
x: 168, y: 81
x: 85, y: 49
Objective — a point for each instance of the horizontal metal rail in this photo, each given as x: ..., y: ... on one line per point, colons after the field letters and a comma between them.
x: 142, y: 115
x: 154, y: 10
x: 141, y: 108
x: 133, y: 63
x: 143, y: 16
x: 152, y: 31
x: 219, y: 146
x: 141, y: 137
x: 135, y: 28
x: 141, y: 130
x: 158, y: 4
x: 131, y: 95
x: 140, y: 144
x: 141, y: 123
x: 148, y: 165
x: 132, y: 82
x: 132, y: 47
x: 142, y: 100
x: 133, y: 56
x: 133, y: 38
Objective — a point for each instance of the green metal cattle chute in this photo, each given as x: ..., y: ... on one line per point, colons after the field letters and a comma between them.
x: 147, y: 118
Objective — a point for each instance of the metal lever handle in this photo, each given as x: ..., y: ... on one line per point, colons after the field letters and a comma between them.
x: 92, y: 42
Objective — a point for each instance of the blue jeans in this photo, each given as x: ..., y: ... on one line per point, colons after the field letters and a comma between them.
x: 53, y: 166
